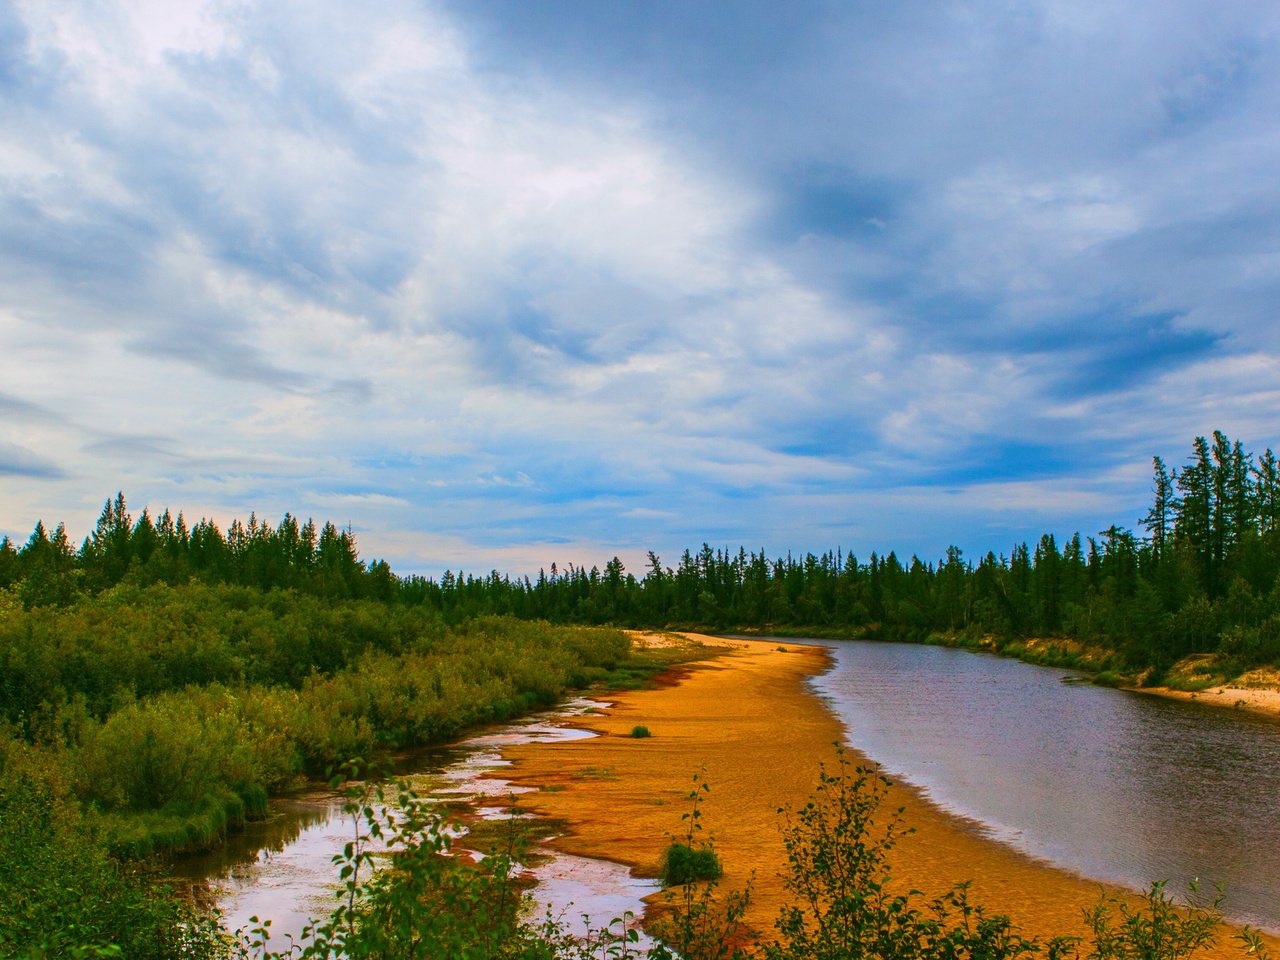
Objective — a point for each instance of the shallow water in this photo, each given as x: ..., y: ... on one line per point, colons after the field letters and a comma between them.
x: 1117, y: 786
x: 282, y: 868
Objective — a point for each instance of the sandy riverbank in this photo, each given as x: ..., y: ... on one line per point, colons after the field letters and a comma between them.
x: 1253, y: 699
x: 748, y: 717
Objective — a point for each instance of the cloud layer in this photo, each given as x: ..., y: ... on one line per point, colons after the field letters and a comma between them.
x: 506, y: 283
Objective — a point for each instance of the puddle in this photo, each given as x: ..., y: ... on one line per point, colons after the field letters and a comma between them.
x: 585, y: 895
x: 283, y: 868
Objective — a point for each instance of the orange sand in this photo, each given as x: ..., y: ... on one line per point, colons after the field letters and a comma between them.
x: 749, y: 719
x: 1252, y: 699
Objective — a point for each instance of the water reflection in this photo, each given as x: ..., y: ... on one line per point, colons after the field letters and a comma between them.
x: 282, y: 868
x: 1117, y: 786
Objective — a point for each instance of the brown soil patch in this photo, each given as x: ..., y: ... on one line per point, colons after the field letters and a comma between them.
x: 748, y: 718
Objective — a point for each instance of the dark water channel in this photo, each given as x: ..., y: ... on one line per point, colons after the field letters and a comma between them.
x: 1117, y: 786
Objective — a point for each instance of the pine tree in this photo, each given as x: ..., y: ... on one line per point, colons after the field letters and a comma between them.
x: 1195, y: 512
x: 1159, y: 519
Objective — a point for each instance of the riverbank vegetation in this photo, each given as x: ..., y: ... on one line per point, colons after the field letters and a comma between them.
x: 153, y: 719
x: 174, y: 712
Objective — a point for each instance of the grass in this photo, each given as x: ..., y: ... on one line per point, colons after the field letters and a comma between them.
x: 682, y: 864
x: 595, y: 773
x: 640, y: 731
x: 183, y: 826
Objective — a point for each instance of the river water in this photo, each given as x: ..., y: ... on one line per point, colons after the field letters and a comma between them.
x: 1117, y: 786
x: 282, y: 868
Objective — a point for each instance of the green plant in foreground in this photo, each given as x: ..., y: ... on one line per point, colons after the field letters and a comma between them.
x: 1161, y: 928
x: 411, y: 901
x: 838, y: 872
x: 405, y: 897
x: 684, y: 861
x: 698, y: 924
x: 640, y: 731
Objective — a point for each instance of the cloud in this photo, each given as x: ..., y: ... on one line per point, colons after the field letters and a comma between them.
x: 16, y: 461
x: 15, y: 409
x: 500, y: 276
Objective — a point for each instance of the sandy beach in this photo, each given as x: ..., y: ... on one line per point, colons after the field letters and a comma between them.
x: 1252, y: 699
x: 748, y: 718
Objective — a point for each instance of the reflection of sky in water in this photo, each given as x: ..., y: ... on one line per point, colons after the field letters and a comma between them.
x: 1114, y: 785
x: 283, y: 868
x: 570, y: 886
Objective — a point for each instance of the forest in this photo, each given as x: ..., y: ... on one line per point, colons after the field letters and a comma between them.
x: 1198, y: 575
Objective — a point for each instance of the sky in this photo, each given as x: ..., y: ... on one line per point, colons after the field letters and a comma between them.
x: 500, y: 283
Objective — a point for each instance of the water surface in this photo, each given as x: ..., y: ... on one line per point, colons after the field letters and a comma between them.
x: 282, y: 868
x: 1117, y: 786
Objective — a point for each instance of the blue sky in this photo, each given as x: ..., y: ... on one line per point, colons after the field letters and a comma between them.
x: 502, y: 283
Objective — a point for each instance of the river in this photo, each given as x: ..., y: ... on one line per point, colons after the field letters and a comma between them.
x: 1114, y: 785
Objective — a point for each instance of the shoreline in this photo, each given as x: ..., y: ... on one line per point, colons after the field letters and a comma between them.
x: 1262, y: 697
x: 1261, y: 701
x: 750, y: 710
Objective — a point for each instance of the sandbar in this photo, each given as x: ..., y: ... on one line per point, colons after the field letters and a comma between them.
x: 1250, y: 699
x: 747, y: 721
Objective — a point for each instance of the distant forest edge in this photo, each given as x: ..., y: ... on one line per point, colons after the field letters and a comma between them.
x: 1203, y: 578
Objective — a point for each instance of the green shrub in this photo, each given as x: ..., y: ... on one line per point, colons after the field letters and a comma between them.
x: 682, y: 863
x: 640, y: 731
x: 61, y: 895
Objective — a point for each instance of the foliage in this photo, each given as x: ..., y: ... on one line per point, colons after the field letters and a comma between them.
x: 844, y: 905
x: 175, y: 711
x: 698, y: 924
x: 404, y: 895
x: 640, y: 732
x: 1160, y: 928
x: 682, y: 863
x: 61, y: 895
x: 687, y: 861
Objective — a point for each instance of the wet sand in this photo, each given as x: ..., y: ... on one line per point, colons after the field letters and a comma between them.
x: 748, y: 717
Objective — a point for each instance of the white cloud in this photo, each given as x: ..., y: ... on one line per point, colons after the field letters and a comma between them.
x: 315, y: 257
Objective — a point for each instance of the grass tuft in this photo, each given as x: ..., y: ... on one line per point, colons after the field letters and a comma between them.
x: 685, y: 864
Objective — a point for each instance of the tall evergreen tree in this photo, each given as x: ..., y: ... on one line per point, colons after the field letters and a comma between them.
x: 1160, y: 518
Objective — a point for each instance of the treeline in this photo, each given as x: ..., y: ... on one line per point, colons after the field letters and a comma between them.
x: 1199, y: 576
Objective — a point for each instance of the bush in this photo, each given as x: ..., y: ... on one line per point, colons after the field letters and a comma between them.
x: 685, y: 864
x: 640, y: 731
x: 61, y: 895
x: 837, y: 851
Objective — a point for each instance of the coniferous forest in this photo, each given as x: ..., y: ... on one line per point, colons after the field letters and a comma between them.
x: 162, y: 678
x: 1196, y: 574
